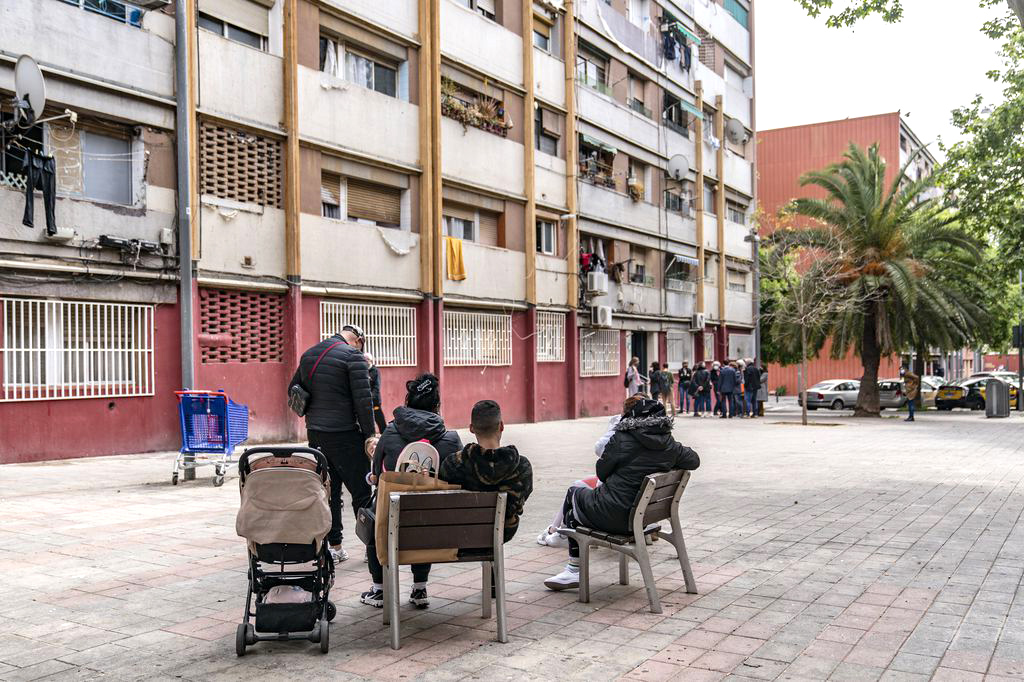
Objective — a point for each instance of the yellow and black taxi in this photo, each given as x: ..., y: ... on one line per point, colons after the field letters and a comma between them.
x: 968, y: 393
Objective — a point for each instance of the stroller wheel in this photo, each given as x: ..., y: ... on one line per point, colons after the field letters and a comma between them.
x: 330, y: 611
x: 240, y: 639
x: 174, y: 478
x: 325, y: 643
x: 218, y: 481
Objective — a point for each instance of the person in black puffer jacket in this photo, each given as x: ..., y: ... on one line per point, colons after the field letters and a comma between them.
x: 642, y: 445
x: 339, y: 418
x: 418, y: 420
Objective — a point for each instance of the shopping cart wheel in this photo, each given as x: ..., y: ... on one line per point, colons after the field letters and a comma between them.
x: 330, y: 611
x: 325, y: 642
x: 218, y: 480
x: 174, y: 478
x: 240, y: 639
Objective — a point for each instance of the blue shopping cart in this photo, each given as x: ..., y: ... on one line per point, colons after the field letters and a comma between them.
x: 211, y: 426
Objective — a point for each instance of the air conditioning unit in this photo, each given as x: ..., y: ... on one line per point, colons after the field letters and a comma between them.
x: 697, y: 322
x: 601, y: 315
x: 597, y: 283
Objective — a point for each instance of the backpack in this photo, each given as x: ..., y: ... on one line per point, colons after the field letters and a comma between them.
x: 625, y: 379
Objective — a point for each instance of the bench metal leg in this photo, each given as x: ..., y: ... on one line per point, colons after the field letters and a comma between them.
x: 499, y: 593
x: 584, y: 589
x: 387, y: 595
x: 644, y: 559
x: 684, y: 559
x: 485, y: 592
x: 623, y: 569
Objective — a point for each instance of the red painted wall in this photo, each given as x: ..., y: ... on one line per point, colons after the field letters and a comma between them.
x: 59, y: 429
x: 1007, y: 361
x: 824, y: 367
x: 602, y: 396
x: 552, y: 391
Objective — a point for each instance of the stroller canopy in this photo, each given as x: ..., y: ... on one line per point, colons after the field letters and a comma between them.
x: 284, y: 502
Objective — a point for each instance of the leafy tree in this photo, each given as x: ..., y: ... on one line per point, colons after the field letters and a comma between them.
x: 853, y: 10
x: 898, y: 253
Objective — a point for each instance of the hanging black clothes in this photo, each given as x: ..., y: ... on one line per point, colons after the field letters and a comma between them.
x: 687, y: 57
x: 669, y: 45
x: 41, y: 172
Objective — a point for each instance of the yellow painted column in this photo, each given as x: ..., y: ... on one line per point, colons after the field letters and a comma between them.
x: 293, y: 255
x: 720, y: 210
x: 529, y: 185
x: 698, y: 130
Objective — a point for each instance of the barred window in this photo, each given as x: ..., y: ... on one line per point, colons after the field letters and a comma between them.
x: 679, y: 347
x: 550, y: 337
x: 241, y: 326
x: 239, y: 166
x: 599, y: 352
x: 390, y: 329
x: 71, y: 349
x: 477, y: 339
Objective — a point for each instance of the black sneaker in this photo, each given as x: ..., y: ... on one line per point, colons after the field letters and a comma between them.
x: 419, y: 599
x: 372, y: 597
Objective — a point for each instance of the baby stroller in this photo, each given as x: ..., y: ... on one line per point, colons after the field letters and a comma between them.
x: 285, y: 518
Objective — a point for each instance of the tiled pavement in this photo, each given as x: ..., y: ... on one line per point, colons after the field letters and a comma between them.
x: 878, y: 550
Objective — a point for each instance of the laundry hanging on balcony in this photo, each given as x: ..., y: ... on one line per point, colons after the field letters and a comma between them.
x: 456, y: 266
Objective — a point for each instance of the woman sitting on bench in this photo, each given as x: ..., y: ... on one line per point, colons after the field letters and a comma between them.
x: 641, y: 445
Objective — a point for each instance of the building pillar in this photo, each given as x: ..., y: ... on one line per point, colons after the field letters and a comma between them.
x: 572, y: 362
x: 530, y: 365
x: 698, y: 131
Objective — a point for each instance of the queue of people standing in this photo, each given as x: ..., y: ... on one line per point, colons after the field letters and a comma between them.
x: 736, y: 388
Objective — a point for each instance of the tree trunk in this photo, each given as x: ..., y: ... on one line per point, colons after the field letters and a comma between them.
x: 803, y: 372
x: 870, y: 358
x: 922, y: 353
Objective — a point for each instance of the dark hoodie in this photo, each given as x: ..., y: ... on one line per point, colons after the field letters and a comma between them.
x: 502, y: 470
x: 640, y: 446
x: 409, y: 426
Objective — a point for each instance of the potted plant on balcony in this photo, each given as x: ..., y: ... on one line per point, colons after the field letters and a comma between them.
x: 636, y: 189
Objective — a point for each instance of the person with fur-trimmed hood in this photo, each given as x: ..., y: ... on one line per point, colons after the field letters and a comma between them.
x: 642, y: 445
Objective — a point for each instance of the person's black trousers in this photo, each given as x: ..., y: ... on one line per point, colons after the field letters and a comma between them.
x: 349, y: 465
x: 420, y: 572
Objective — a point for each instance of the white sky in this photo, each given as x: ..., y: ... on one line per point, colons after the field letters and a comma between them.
x: 927, y: 65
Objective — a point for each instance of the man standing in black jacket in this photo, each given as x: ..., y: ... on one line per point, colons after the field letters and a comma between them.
x: 339, y: 418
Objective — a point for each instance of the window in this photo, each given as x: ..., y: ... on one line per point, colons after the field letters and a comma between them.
x: 123, y: 12
x: 737, y: 280
x: 330, y: 196
x: 636, y: 180
x: 638, y: 266
x: 636, y: 96
x: 679, y: 347
x: 473, y: 109
x: 709, y: 346
x: 636, y: 11
x: 371, y: 74
x: 550, y: 337
x: 91, y: 164
x: 252, y: 321
x: 460, y: 228
x: 736, y: 213
x: 675, y: 116
x: 680, y: 269
x: 903, y: 143
x: 741, y: 346
x: 541, y: 34
x: 390, y: 329
x: 738, y: 12
x: 546, y: 131
x: 546, y: 237
x: 680, y: 200
x: 368, y: 202
x: 484, y: 7
x: 329, y: 51
x: 596, y: 160
x: 710, y: 193
x: 592, y: 68
x: 232, y: 32
x: 599, y: 352
x: 477, y: 339
x: 239, y: 166
x: 55, y: 350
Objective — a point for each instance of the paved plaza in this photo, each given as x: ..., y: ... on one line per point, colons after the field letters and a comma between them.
x: 847, y: 549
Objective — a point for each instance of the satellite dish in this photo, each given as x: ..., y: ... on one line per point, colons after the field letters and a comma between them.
x: 678, y: 167
x: 735, y: 131
x: 30, y: 91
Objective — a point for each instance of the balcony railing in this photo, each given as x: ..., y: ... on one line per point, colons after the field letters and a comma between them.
x: 454, y: 108
x: 638, y: 106
x: 123, y: 12
x: 597, y: 173
x: 601, y: 87
x: 678, y: 127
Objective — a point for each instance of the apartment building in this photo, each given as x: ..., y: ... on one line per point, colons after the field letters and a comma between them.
x: 785, y: 154
x: 517, y: 196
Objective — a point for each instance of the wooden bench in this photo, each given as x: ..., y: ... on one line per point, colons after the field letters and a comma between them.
x: 658, y: 500
x: 470, y: 524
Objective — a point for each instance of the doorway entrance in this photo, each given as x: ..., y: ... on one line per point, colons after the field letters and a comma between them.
x: 638, y: 349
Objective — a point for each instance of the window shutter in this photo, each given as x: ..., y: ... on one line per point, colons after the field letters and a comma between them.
x: 549, y: 122
x: 330, y: 189
x: 242, y: 13
x: 486, y: 5
x: 459, y: 212
x: 488, y: 229
x: 368, y: 201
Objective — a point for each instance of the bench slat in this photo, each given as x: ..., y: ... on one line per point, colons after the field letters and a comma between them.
x: 657, y: 512
x: 478, y: 536
x: 455, y: 499
x: 445, y: 517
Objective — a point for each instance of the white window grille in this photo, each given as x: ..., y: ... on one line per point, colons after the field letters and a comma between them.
x: 550, y: 337
x: 56, y: 350
x: 679, y: 347
x: 390, y: 329
x: 477, y: 339
x: 599, y: 352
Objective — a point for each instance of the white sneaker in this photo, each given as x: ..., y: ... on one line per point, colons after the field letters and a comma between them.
x: 556, y: 540
x: 542, y: 539
x: 566, y: 580
x: 338, y: 554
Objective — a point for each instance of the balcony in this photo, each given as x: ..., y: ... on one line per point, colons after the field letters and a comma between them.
x: 616, y: 26
x: 323, y: 239
x: 344, y: 114
x: 638, y: 106
x: 735, y: 245
x: 470, y: 38
x: 608, y: 114
x: 491, y: 273
x: 713, y: 84
x: 739, y: 307
x: 681, y: 303
x: 710, y: 302
x: 549, y: 179
x: 678, y: 143
x: 639, y: 299
x: 682, y: 228
x: 92, y: 45
x: 726, y: 30
x: 227, y: 72
x: 398, y: 15
x: 232, y: 233
x: 549, y: 72
x: 739, y: 173
x: 737, y: 104
x: 552, y: 280
x: 618, y: 209
x: 710, y: 231
x: 480, y: 158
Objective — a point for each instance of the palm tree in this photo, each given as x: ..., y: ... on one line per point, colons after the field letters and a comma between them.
x: 896, y: 251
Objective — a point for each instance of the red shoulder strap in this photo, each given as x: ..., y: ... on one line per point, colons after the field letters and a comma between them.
x: 317, y: 363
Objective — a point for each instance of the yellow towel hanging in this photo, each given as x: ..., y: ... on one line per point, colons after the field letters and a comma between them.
x: 456, y: 266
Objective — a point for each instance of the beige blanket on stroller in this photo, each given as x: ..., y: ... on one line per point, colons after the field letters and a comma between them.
x: 284, y: 505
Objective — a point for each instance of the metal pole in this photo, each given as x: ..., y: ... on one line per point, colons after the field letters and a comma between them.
x: 184, y: 195
x: 1020, y: 345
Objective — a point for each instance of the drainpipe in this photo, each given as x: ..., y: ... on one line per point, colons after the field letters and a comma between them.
x: 185, y: 265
